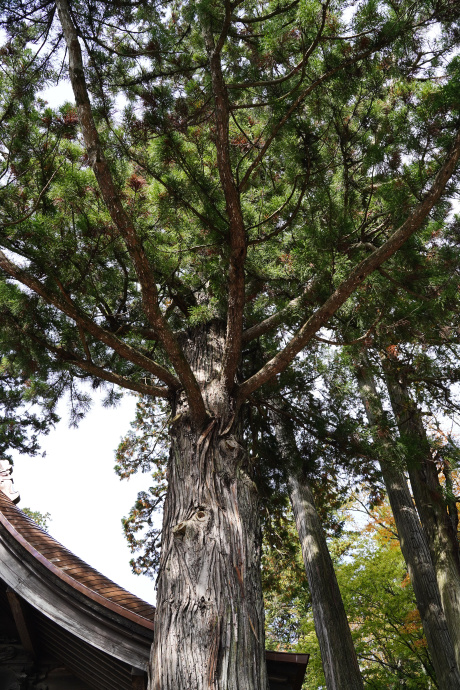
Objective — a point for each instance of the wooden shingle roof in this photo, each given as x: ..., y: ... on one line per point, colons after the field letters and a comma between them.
x: 71, y: 569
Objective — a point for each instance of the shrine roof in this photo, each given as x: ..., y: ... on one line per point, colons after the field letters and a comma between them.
x: 70, y: 569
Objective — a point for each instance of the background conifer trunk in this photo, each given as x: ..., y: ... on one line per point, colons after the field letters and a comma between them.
x: 413, y: 543
x: 338, y: 655
x: 430, y: 502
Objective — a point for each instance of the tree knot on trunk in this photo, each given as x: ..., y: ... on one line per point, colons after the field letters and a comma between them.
x: 230, y: 447
x: 189, y: 527
x: 180, y: 529
x: 202, y: 605
x: 93, y: 156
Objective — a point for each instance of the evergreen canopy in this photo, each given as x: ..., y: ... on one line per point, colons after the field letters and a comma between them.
x: 245, y: 162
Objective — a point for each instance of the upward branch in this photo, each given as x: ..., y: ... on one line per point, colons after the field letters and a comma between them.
x: 283, y: 358
x: 238, y: 244
x: 89, y: 367
x: 67, y: 306
x: 119, y: 216
x: 362, y: 55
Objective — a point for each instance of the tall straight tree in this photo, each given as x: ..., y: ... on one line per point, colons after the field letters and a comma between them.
x: 413, y: 541
x: 151, y: 251
x: 338, y: 655
x: 430, y: 500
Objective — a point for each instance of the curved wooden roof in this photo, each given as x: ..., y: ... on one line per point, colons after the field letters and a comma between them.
x: 71, y: 569
x: 70, y: 593
x: 97, y: 628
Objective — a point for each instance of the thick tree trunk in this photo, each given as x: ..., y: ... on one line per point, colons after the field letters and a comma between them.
x: 414, y: 546
x: 209, y: 623
x: 430, y: 502
x: 338, y: 655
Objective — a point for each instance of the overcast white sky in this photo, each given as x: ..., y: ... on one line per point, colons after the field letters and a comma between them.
x: 76, y: 484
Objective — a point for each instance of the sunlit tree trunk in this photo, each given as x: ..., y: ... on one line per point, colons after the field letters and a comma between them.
x: 209, y: 623
x: 338, y: 655
x: 430, y: 501
x: 412, y: 540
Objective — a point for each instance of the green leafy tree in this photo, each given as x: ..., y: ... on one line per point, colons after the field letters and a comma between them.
x: 379, y: 600
x: 42, y: 519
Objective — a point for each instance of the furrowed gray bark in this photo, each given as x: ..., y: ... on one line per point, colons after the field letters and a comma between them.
x: 209, y: 623
x: 338, y: 654
x: 412, y: 540
x: 430, y: 501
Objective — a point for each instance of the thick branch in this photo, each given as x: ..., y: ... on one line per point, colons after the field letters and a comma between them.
x: 280, y: 317
x: 291, y: 218
x: 282, y: 360
x: 122, y: 381
x: 306, y: 92
x: 272, y: 82
x: 67, y: 307
x: 238, y: 245
x: 101, y: 373
x: 34, y: 207
x: 253, y: 20
x: 417, y: 295
x: 152, y: 76
x: 119, y: 216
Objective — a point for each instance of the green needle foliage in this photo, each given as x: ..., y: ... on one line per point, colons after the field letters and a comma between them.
x: 336, y: 127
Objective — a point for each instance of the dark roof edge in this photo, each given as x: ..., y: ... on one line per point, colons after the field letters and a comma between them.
x: 289, y: 657
x: 68, y: 608
x: 26, y: 574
